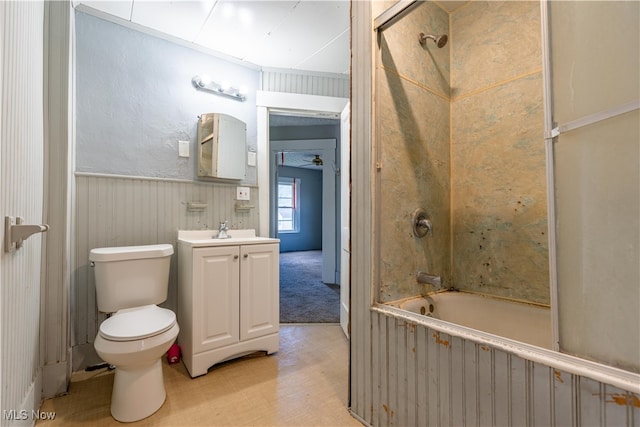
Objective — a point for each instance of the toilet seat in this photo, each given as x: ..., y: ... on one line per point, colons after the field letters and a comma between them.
x: 137, y: 323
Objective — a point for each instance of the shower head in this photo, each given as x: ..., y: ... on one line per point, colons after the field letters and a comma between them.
x: 440, y: 40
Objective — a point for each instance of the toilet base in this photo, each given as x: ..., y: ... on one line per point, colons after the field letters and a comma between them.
x: 138, y: 392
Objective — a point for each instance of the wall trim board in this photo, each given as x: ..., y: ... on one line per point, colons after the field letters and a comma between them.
x: 160, y: 179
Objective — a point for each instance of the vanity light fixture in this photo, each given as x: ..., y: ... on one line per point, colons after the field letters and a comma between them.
x: 224, y: 88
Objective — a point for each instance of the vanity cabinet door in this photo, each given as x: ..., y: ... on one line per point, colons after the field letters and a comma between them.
x: 259, y: 290
x: 216, y: 297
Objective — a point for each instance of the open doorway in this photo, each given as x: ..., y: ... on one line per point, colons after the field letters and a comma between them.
x: 309, y: 106
x: 304, y: 211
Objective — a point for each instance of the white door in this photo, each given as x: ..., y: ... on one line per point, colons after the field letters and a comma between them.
x: 345, y: 217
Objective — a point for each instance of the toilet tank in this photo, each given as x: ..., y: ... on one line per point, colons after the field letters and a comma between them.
x: 131, y: 276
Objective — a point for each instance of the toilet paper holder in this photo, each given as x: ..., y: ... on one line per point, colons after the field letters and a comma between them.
x: 15, y: 232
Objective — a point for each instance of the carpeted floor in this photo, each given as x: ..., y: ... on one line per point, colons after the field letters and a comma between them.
x: 304, y: 298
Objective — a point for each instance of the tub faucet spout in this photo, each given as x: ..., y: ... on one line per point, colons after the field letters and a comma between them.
x: 429, y: 279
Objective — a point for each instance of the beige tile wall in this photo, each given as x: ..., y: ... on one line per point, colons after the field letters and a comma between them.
x: 499, y: 204
x: 460, y: 134
x: 413, y: 137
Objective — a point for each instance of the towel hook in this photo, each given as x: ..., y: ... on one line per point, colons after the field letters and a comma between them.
x: 16, y: 232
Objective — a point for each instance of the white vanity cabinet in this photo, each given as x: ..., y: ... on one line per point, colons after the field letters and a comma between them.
x: 228, y: 299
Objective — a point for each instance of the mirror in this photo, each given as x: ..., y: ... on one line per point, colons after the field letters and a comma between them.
x: 222, y: 141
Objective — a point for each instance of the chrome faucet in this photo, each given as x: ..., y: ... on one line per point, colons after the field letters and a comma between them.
x: 429, y: 279
x: 222, y: 231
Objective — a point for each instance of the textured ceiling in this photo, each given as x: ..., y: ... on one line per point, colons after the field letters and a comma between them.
x: 307, y: 35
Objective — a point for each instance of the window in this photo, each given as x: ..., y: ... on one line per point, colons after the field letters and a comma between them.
x: 288, y: 202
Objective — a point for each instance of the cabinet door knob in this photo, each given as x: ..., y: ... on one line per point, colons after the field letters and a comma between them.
x: 246, y: 255
x: 235, y: 257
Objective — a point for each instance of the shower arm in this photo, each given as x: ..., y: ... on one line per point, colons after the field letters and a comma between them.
x: 440, y: 40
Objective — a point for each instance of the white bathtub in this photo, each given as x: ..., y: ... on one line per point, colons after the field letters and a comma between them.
x: 518, y: 321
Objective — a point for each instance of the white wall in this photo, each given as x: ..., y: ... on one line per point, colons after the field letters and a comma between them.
x: 135, y: 100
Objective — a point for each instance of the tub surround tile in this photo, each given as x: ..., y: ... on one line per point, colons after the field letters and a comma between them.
x: 476, y: 162
x: 492, y: 42
x: 499, y: 192
x: 414, y: 173
x: 426, y: 65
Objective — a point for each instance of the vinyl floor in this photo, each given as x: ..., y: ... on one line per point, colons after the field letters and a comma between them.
x: 303, y: 384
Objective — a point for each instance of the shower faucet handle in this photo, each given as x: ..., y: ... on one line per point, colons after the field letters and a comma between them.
x: 422, y: 225
x: 426, y: 224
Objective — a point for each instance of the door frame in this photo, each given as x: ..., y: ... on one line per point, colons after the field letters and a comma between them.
x: 280, y: 101
x: 327, y: 149
x: 345, y: 219
x: 295, y: 103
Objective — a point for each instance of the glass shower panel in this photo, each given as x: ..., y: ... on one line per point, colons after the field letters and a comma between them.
x: 595, y: 69
x: 598, y: 217
x: 594, y: 52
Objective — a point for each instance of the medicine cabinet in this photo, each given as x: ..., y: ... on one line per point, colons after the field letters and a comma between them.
x: 222, y: 141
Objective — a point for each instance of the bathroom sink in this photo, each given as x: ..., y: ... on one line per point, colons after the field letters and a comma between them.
x: 204, y: 238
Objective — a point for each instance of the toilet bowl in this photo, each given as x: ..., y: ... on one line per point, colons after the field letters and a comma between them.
x: 130, y: 281
x: 138, y: 386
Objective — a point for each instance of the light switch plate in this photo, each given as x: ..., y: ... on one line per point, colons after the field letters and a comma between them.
x: 251, y: 158
x: 243, y: 193
x: 183, y: 148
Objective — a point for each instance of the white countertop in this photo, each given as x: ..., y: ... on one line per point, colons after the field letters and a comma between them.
x: 207, y: 238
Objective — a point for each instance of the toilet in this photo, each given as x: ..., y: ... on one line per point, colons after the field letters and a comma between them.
x: 130, y: 281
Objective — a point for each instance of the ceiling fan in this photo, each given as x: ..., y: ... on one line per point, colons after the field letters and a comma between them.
x: 317, y: 161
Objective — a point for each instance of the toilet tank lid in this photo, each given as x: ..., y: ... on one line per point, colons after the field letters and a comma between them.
x: 130, y: 252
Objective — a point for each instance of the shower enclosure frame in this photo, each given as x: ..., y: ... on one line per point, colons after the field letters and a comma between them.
x: 554, y: 358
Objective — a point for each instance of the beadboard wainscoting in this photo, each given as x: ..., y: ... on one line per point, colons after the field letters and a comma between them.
x: 21, y: 179
x: 425, y: 377
x: 321, y: 84
x: 122, y: 211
